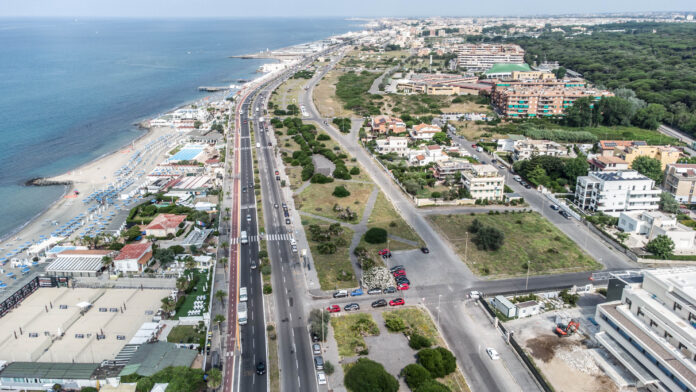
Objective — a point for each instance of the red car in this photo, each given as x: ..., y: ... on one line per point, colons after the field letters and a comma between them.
x: 384, y: 252
x: 398, y: 273
x: 333, y: 309
x: 473, y: 146
x: 397, y: 302
x: 276, y: 172
x: 402, y: 286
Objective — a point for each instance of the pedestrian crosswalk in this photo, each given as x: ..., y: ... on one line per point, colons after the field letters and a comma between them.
x: 279, y: 237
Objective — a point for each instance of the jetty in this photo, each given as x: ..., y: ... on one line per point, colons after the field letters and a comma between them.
x: 39, y: 181
x: 212, y: 89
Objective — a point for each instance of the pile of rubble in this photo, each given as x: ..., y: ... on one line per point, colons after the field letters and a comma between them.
x: 378, y: 277
x: 579, y: 359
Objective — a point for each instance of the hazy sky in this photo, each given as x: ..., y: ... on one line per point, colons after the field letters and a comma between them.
x: 314, y: 8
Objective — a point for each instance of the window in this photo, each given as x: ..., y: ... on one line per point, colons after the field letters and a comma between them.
x: 653, y: 324
x: 120, y: 337
x: 676, y: 306
x: 63, y: 307
x: 639, y: 312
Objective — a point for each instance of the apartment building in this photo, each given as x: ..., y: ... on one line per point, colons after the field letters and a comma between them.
x: 387, y: 124
x: 680, y: 181
x: 665, y: 154
x: 393, y: 144
x: 525, y: 149
x: 651, y: 329
x: 607, y: 147
x: 424, y: 131
x: 480, y: 57
x: 540, y: 98
x: 437, y: 84
x: 445, y: 170
x: 484, y: 182
x: 603, y: 163
x: 650, y: 224
x: 615, y: 192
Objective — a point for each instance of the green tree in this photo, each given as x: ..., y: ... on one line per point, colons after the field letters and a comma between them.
x: 438, y: 361
x: 369, y: 376
x: 560, y: 72
x: 341, y: 191
x: 615, y: 111
x: 650, y: 116
x: 415, y: 375
x: 441, y: 138
x: 214, y: 378
x: 355, y: 170
x: 168, y: 305
x: 538, y: 176
x: 418, y: 341
x: 668, y: 203
x: 221, y: 296
x: 319, y: 323
x: 432, y: 386
x: 132, y: 233
x: 580, y: 113
x: 489, y: 238
x: 376, y: 235
x: 649, y: 167
x: 575, y: 168
x: 219, y: 319
x: 661, y: 246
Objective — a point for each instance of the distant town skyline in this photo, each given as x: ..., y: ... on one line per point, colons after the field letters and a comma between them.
x: 319, y: 8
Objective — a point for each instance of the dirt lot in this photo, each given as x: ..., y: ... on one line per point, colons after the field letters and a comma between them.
x: 565, y: 362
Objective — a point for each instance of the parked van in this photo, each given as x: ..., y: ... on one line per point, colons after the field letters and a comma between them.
x: 242, y: 294
x: 243, y: 238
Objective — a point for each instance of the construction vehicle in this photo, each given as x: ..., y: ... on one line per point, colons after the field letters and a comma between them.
x: 563, y: 330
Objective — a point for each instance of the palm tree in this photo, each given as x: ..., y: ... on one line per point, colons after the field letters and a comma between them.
x: 168, y: 305
x: 182, y: 283
x: 107, y: 261
x: 219, y: 319
x: 221, y: 296
x: 214, y: 378
x: 224, y: 262
x: 189, y: 262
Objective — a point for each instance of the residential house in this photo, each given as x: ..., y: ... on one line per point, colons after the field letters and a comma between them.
x: 386, y: 124
x: 665, y: 154
x: 484, y: 182
x: 429, y: 154
x: 392, y: 144
x: 607, y: 147
x: 164, y: 224
x: 508, y: 144
x: 133, y: 257
x: 525, y: 149
x: 445, y: 170
x: 654, y: 223
x: 605, y: 163
x: 614, y: 192
x: 680, y: 181
x: 424, y: 131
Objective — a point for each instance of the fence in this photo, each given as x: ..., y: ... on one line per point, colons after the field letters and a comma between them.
x: 518, y: 349
x: 621, y: 248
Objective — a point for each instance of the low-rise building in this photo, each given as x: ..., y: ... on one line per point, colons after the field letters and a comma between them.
x: 508, y: 144
x: 665, y: 154
x: 680, y: 181
x: 605, y: 163
x: 426, y: 156
x: 445, y: 170
x: 504, y: 306
x: 484, y: 182
x: 607, y: 147
x: 133, y: 257
x: 525, y: 149
x: 78, y: 263
x: 424, y: 131
x: 387, y: 124
x: 614, y: 192
x: 505, y: 71
x: 654, y: 223
x: 392, y: 144
x: 164, y: 224
x: 528, y: 308
x: 651, y: 329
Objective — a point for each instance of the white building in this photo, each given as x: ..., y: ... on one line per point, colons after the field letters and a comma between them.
x: 525, y: 149
x: 508, y: 144
x: 614, y: 192
x: 484, y: 182
x: 424, y: 131
x: 654, y: 223
x: 429, y: 154
x: 504, y: 306
x: 528, y: 308
x: 393, y: 144
x: 651, y: 329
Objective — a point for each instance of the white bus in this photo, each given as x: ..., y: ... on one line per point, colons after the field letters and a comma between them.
x: 242, y: 313
x: 242, y: 294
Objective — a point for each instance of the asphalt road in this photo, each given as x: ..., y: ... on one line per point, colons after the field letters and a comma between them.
x: 679, y: 135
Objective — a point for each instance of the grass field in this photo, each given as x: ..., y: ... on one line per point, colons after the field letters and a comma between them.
x: 325, y: 99
x: 329, y: 266
x: 286, y: 92
x: 350, y: 330
x: 185, y: 334
x: 318, y: 199
x: 528, y: 238
x: 385, y: 216
x: 419, y: 321
x: 191, y: 297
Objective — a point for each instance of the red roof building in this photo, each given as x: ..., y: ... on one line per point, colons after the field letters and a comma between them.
x: 164, y: 224
x: 133, y: 257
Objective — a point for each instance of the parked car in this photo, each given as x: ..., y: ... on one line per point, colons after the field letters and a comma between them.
x: 270, y: 144
x: 319, y: 362
x: 397, y: 302
x: 315, y: 337
x: 493, y: 353
x: 353, y: 306
x: 374, y: 291
x: 389, y: 290
x: 474, y: 294
x: 527, y: 186
x: 379, y: 303
x: 277, y: 172
x: 340, y: 294
x: 333, y: 309
x: 517, y: 178
x: 261, y: 368
x: 425, y: 250
x: 564, y: 214
x: 285, y: 206
x: 402, y: 279
x: 398, y: 273
x: 402, y: 286
x: 474, y: 145
x: 316, y: 348
x: 275, y: 205
x: 287, y: 221
x: 554, y: 207
x: 385, y: 253
x: 356, y: 292
x: 396, y: 268
x: 321, y: 378
x: 243, y: 189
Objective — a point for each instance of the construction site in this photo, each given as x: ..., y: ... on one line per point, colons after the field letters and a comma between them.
x: 76, y: 325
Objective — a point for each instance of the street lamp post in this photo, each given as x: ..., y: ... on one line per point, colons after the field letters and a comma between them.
x: 526, y: 283
x: 439, y: 296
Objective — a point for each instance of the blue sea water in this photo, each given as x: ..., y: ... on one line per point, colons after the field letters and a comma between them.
x: 71, y: 90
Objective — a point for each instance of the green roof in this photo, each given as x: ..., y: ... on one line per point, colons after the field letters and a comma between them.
x: 49, y: 370
x: 153, y: 357
x: 506, y: 68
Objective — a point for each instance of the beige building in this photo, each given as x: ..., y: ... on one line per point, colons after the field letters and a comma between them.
x: 529, y: 75
x: 525, y: 149
x: 484, y: 182
x: 607, y: 163
x: 680, y: 181
x: 480, y: 57
x: 665, y: 154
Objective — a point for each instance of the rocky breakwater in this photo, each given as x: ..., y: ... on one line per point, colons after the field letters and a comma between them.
x: 40, y: 181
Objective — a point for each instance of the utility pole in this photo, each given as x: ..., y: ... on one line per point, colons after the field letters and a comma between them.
x: 526, y: 283
x: 466, y: 247
x: 438, y: 308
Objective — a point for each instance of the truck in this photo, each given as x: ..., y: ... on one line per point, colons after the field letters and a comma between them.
x: 243, y: 238
x: 242, y: 294
x: 242, y: 313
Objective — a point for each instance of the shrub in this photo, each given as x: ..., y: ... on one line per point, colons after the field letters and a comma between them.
x: 439, y: 361
x: 328, y: 368
x: 448, y: 360
x: 355, y: 170
x: 369, y: 376
x: 488, y: 238
x: 323, y: 137
x: 432, y: 386
x: 266, y: 269
x: 267, y: 289
x: 415, y: 375
x: 376, y: 235
x: 394, y: 323
x: 418, y: 341
x: 341, y: 191
x: 319, y: 178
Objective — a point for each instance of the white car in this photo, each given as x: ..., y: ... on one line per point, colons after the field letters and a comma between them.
x: 493, y: 353
x: 321, y: 378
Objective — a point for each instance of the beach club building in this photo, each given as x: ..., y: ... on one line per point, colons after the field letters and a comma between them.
x: 78, y: 263
x: 133, y: 257
x: 164, y: 224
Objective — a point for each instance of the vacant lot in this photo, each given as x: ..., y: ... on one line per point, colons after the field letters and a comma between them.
x: 350, y: 331
x: 528, y: 238
x: 318, y: 199
x: 287, y: 93
x: 325, y: 99
x: 335, y: 270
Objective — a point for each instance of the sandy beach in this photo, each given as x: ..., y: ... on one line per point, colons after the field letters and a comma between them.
x: 92, y: 176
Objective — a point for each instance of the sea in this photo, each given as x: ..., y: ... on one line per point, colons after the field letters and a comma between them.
x: 72, y: 90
